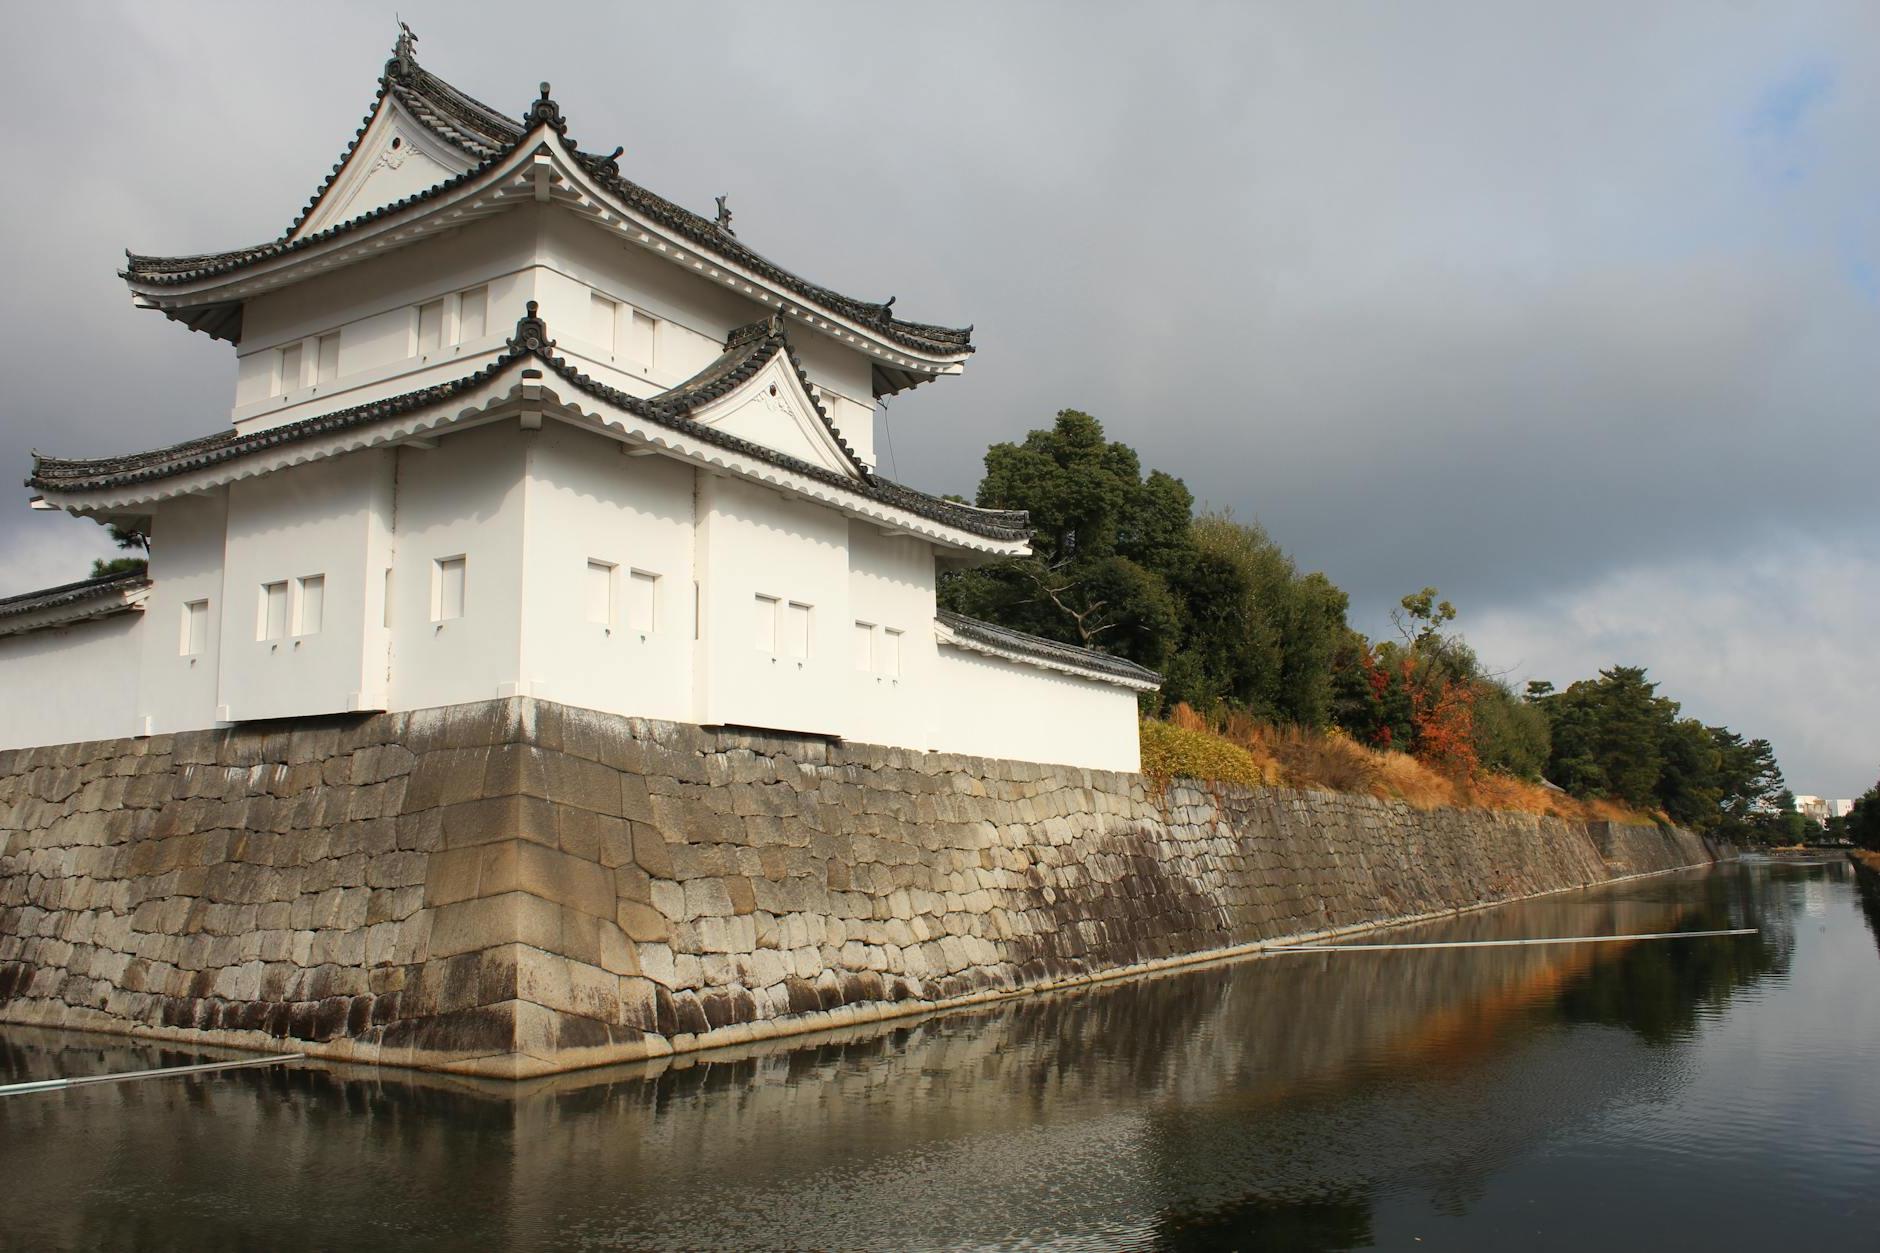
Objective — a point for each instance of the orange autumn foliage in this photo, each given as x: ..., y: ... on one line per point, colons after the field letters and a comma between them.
x: 1331, y: 761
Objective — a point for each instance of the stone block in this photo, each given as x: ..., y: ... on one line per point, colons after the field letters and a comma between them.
x: 499, y: 818
x: 619, y: 954
x: 707, y: 898
x: 650, y: 851
x: 643, y: 922
x: 583, y: 784
x: 555, y: 876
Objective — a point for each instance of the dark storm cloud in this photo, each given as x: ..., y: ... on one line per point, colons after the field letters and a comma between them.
x: 1510, y: 299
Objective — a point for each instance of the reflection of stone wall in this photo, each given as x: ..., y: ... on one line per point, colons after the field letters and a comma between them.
x: 519, y: 886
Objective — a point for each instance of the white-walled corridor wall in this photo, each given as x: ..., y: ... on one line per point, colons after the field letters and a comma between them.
x: 71, y: 683
x: 990, y: 707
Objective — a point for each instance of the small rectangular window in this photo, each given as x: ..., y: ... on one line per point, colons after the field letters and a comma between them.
x: 696, y: 608
x: 290, y: 369
x: 195, y: 628
x: 473, y: 315
x: 430, y: 327
x: 272, y: 624
x: 864, y: 646
x: 640, y: 339
x: 796, y: 631
x: 605, y: 323
x: 312, y: 612
x: 766, y: 620
x: 890, y: 663
x: 447, y: 589
x: 329, y: 358
x: 600, y: 593
x: 642, y: 606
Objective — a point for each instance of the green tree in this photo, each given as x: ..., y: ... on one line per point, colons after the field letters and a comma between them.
x: 1105, y: 541
x: 1259, y: 635
x: 127, y: 538
x: 1607, y: 735
x: 1863, y: 821
x: 1511, y: 735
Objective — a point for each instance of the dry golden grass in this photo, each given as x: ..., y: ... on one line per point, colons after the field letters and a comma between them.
x: 1242, y: 748
x: 1868, y: 859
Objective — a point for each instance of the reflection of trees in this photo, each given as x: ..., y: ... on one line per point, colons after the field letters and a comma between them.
x: 1867, y: 892
x: 1311, y: 1225
x: 1660, y: 989
x: 1254, y: 1105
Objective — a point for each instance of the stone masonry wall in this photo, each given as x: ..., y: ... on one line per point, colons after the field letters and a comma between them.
x: 517, y: 887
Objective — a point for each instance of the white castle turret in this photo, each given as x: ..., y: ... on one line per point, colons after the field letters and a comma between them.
x: 508, y: 424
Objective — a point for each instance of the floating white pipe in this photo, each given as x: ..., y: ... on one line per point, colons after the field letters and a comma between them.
x: 1562, y: 939
x: 55, y: 1085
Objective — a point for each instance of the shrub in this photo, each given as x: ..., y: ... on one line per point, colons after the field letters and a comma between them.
x: 1171, y: 752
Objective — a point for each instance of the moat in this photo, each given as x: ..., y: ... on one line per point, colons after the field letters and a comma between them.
x: 1716, y: 1093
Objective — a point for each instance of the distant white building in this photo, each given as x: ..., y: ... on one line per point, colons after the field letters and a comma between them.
x: 1818, y: 809
x: 507, y: 423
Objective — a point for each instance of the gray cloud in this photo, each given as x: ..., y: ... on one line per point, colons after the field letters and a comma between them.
x: 1527, y: 302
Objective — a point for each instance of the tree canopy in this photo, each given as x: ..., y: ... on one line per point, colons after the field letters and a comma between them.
x: 1123, y: 562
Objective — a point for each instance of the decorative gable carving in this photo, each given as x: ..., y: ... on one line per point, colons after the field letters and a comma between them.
x: 396, y: 157
x: 772, y: 409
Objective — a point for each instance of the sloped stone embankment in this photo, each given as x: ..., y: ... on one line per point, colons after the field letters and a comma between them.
x: 517, y: 887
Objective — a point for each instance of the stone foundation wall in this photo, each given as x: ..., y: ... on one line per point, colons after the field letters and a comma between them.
x: 517, y: 887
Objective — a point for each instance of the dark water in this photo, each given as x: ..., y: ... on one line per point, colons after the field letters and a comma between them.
x: 1703, y: 1094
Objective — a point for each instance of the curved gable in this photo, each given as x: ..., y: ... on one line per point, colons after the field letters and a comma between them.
x: 396, y: 156
x: 772, y: 409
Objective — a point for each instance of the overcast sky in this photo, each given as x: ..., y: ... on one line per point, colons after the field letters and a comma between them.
x: 1568, y: 309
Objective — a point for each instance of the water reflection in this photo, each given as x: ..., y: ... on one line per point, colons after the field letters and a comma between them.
x: 1867, y: 891
x: 1299, y: 1102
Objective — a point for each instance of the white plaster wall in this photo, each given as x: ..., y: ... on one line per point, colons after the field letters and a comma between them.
x: 891, y: 585
x: 314, y: 519
x: 530, y: 252
x: 589, y: 502
x: 178, y: 692
x: 373, y: 307
x: 991, y: 707
x: 464, y: 497
x: 753, y: 540
x: 71, y: 683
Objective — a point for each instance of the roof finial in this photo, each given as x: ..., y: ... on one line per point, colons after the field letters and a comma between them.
x: 545, y: 112
x: 405, y: 52
x: 531, y: 333
x: 724, y: 214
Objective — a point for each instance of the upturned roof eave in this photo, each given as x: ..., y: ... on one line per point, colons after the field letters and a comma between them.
x: 946, y: 348
x: 662, y: 422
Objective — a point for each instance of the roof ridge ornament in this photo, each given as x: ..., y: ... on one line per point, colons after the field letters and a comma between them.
x: 404, y: 52
x: 545, y: 112
x: 531, y: 333
x: 724, y: 214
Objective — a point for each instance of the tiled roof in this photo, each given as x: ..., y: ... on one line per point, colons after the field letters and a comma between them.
x: 72, y: 593
x: 748, y: 350
x: 1005, y: 639
x: 487, y: 137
